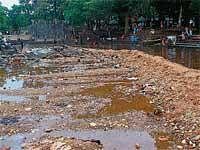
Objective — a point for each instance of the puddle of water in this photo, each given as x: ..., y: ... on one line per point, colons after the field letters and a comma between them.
x: 42, y: 97
x: 115, y: 139
x: 164, y: 140
x: 9, y: 120
x: 120, y: 105
x: 14, y: 142
x: 101, y: 91
x: 188, y: 57
x: 2, y: 73
x: 111, y: 140
x: 13, y: 84
x: 9, y: 98
x: 2, y: 76
x: 120, y: 102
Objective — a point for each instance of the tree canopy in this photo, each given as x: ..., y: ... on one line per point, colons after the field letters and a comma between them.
x: 4, y: 19
x: 92, y: 12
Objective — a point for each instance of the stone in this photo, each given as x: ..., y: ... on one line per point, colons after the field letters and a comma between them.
x: 57, y: 145
x: 162, y: 138
x: 196, y: 138
x: 184, y: 141
x: 137, y: 146
x: 48, y: 130
x: 92, y: 124
x: 68, y: 147
x: 117, y: 66
x: 28, y: 109
x: 179, y: 147
x: 133, y: 78
x: 190, y: 143
x: 193, y: 145
x: 157, y: 112
x: 69, y: 106
x: 47, y: 101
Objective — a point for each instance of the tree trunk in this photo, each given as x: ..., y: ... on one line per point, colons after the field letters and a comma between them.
x: 126, y: 24
x: 180, y: 14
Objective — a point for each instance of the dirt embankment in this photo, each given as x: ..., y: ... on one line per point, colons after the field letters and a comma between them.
x: 176, y: 89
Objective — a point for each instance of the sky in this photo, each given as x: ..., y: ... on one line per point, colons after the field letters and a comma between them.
x: 9, y: 3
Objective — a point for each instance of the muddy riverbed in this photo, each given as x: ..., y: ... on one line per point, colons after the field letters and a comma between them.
x: 78, y: 98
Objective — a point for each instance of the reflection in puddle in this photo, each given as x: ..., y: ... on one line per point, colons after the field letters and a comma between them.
x: 120, y: 105
x: 42, y: 97
x: 14, y: 142
x: 8, y: 98
x: 118, y: 139
x: 2, y: 73
x: 13, y: 84
x: 9, y: 120
x: 2, y: 76
x: 113, y: 139
x: 120, y: 101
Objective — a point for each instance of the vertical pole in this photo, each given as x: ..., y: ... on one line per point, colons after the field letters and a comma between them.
x: 54, y: 20
x: 180, y: 14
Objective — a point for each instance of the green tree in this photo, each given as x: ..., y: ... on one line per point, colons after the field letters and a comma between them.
x: 48, y: 10
x: 176, y: 9
x: 126, y: 8
x: 79, y: 12
x: 4, y: 19
x: 195, y: 7
x: 18, y: 17
x: 76, y: 12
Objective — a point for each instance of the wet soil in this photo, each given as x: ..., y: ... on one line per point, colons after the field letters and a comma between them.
x: 100, y: 99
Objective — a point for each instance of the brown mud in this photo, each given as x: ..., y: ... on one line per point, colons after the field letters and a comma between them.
x: 101, y: 98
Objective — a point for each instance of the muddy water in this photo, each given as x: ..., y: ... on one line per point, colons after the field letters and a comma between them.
x: 2, y: 76
x: 120, y: 101
x: 124, y: 104
x: 118, y: 139
x: 13, y: 84
x: 113, y: 139
x: 189, y: 57
x: 9, y: 98
x: 14, y: 142
x: 164, y: 140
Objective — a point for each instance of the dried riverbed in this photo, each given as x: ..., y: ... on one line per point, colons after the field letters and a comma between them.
x: 79, y: 98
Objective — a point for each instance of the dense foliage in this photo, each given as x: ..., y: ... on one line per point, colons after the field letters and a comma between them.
x: 92, y: 13
x: 4, y: 19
